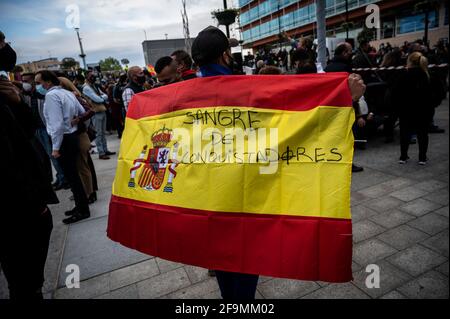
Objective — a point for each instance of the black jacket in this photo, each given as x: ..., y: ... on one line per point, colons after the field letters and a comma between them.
x: 339, y: 64
x: 25, y: 165
x: 412, y: 95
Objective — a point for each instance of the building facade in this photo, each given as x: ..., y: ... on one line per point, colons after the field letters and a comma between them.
x: 155, y: 49
x: 262, y: 21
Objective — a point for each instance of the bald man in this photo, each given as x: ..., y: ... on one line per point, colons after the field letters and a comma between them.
x: 136, y: 80
x: 342, y: 61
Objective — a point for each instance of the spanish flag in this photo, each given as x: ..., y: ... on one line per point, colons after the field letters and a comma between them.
x: 247, y: 174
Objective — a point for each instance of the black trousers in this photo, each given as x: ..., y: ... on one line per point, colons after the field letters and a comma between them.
x: 70, y: 148
x: 409, y: 127
x: 236, y: 286
x: 23, y: 252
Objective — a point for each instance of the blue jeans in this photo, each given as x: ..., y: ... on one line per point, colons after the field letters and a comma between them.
x: 44, y: 139
x: 99, y: 121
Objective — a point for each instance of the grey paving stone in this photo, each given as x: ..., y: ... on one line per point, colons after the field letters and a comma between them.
x: 88, y: 247
x: 166, y: 265
x: 438, y: 243
x: 212, y: 295
x: 286, y: 289
x: 365, y: 229
x: 443, y: 269
x: 386, y: 187
x: 431, y: 223
x: 337, y: 291
x: 195, y: 291
x: 390, y: 278
x: 419, y: 207
x: 358, y: 198
x: 431, y: 185
x: 439, y: 197
x: 393, y: 295
x: 90, y: 288
x: 409, y: 193
x: 134, y: 273
x: 431, y: 285
x: 384, y: 204
x: 402, y: 237
x: 196, y: 274
x: 416, y: 260
x: 361, y: 212
x: 392, y: 218
x: 163, y: 284
x: 128, y: 292
x: 370, y: 251
x: 443, y: 211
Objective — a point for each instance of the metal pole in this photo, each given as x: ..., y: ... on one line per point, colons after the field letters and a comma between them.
x: 321, y: 33
x: 227, y: 27
x: 82, y: 55
x: 346, y: 18
x: 279, y: 24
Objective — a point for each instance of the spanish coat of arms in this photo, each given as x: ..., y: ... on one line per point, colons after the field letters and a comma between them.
x: 155, y: 165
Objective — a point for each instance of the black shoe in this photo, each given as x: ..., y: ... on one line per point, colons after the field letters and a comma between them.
x: 66, y: 186
x: 92, y: 198
x: 57, y: 186
x: 76, y: 218
x: 436, y: 130
x: 110, y: 153
x: 357, y: 169
x: 71, y: 212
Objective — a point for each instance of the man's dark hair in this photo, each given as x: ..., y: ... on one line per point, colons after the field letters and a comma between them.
x: 162, y: 63
x: 49, y: 76
x: 80, y: 77
x: 183, y: 56
x: 340, y: 49
x: 29, y: 74
x: 2, y: 36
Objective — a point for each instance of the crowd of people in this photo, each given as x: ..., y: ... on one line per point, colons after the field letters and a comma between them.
x: 53, y: 118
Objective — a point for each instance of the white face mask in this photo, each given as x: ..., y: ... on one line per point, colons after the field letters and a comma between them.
x: 26, y: 87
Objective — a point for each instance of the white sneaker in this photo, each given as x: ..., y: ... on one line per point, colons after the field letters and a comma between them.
x: 422, y: 163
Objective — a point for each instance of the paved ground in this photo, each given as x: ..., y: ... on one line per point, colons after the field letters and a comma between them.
x: 400, y: 216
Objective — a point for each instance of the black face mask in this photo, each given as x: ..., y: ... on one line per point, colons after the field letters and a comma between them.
x: 8, y: 58
x: 140, y: 79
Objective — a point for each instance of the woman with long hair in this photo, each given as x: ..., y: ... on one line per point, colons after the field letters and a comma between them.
x: 413, y: 98
x: 85, y: 165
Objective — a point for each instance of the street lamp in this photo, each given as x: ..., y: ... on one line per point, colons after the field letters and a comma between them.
x: 82, y: 55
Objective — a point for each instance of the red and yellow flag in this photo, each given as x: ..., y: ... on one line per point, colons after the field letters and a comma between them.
x: 246, y: 174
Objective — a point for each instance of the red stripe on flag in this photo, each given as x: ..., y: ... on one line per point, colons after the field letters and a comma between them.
x: 289, y: 92
x: 317, y: 249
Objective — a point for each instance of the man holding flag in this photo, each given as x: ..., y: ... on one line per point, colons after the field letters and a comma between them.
x: 227, y: 214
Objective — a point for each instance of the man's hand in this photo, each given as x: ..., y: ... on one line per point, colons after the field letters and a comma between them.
x: 56, y: 154
x: 361, y: 122
x: 75, y: 121
x: 357, y: 86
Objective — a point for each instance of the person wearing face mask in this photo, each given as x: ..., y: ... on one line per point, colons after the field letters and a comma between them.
x: 97, y: 100
x: 166, y: 71
x: 35, y: 101
x: 136, y: 78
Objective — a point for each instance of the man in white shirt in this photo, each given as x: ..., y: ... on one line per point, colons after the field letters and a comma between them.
x: 61, y: 108
x: 136, y: 80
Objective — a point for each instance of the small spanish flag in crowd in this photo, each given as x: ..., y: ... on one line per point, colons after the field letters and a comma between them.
x: 151, y: 70
x: 247, y: 174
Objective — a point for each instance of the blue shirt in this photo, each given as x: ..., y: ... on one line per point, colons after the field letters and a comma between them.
x: 214, y: 70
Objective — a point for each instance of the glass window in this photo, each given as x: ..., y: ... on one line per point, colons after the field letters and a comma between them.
x: 416, y: 23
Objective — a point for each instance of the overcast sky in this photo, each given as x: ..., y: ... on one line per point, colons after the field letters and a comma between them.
x: 38, y: 29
